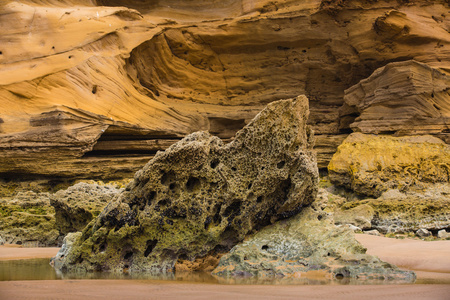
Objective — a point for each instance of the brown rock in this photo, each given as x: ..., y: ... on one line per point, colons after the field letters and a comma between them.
x: 151, y: 71
x: 402, y: 98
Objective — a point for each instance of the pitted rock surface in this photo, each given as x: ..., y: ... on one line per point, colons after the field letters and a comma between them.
x: 202, y: 196
x: 76, y: 206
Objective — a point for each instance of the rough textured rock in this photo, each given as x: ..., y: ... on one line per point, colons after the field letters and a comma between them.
x: 305, y: 243
x: 100, y: 88
x: 422, y: 232
x: 28, y: 219
x: 427, y: 209
x: 401, y: 98
x: 360, y: 216
x: 202, y: 196
x: 76, y: 206
x: 443, y: 234
x: 370, y: 164
x: 2, y: 241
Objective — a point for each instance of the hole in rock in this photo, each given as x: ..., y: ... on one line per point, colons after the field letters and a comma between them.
x: 319, y: 217
x: 233, y: 209
x: 233, y: 169
x: 214, y: 164
x: 259, y: 199
x: 265, y: 247
x: 249, y: 186
x: 151, y: 244
x: 207, y: 222
x: 94, y: 89
x: 172, y: 186
x: 102, y: 247
x: 281, y: 164
x: 151, y: 196
x: 193, y: 183
x: 163, y: 202
x: 339, y: 276
x: 70, y: 56
x: 1, y: 53
x: 128, y: 255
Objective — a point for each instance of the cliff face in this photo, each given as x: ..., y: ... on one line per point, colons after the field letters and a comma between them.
x: 95, y: 88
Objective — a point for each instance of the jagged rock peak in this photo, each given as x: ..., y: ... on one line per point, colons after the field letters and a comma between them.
x: 202, y: 196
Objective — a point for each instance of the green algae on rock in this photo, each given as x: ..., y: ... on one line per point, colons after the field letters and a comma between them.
x: 76, y: 206
x: 28, y: 219
x: 202, y: 196
x: 305, y: 243
x: 370, y: 165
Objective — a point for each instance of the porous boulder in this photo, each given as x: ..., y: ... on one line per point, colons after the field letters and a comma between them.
x: 307, y: 244
x: 202, y: 196
x: 370, y: 164
x: 76, y: 206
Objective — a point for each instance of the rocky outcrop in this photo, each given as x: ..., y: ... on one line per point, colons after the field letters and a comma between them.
x: 397, y: 212
x: 307, y: 243
x: 202, y: 196
x: 402, y: 98
x: 76, y: 206
x: 28, y: 219
x: 394, y: 212
x: 101, y: 88
x: 370, y: 165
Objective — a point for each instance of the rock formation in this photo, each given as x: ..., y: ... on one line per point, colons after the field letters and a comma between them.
x: 76, y: 206
x: 370, y: 165
x: 394, y: 212
x: 308, y: 242
x: 28, y: 219
x: 402, y: 98
x: 100, y: 86
x: 202, y: 196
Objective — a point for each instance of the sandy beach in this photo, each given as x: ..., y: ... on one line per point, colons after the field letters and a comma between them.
x: 430, y: 259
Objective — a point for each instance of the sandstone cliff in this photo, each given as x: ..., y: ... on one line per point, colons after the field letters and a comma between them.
x: 92, y: 88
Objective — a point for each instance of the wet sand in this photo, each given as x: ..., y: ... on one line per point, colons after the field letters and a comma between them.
x: 410, y: 254
x: 432, y: 259
x: 13, y: 252
x: 120, y: 289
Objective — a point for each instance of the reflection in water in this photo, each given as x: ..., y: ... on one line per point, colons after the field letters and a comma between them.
x: 40, y: 269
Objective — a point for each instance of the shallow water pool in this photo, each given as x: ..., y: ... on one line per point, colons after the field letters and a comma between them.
x: 40, y: 269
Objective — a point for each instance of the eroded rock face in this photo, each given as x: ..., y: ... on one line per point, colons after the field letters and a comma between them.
x: 370, y: 165
x: 76, y: 206
x: 402, y: 98
x: 101, y: 88
x: 308, y: 242
x: 203, y: 196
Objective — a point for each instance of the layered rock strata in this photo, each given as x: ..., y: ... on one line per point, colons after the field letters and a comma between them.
x: 402, y: 98
x: 307, y: 243
x: 370, y: 165
x: 202, y: 196
x: 394, y: 212
x: 100, y: 88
